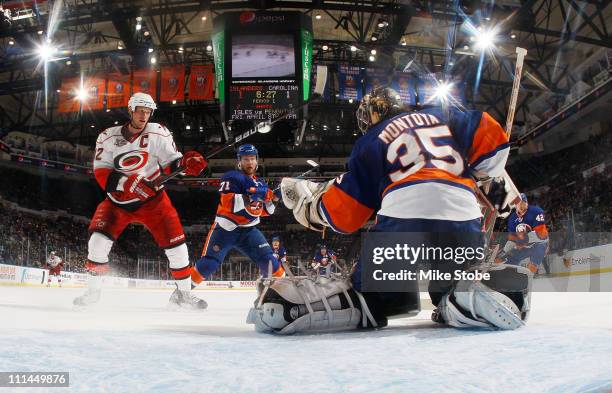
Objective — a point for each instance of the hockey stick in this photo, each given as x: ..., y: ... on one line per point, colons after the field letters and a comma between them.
x: 310, y: 162
x: 267, y: 125
x: 512, y: 193
x: 164, y: 178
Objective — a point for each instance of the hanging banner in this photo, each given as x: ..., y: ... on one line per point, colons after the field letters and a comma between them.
x: 349, y: 80
x: 172, y: 83
x: 201, y: 79
x: 95, y: 87
x: 404, y: 84
x: 313, y: 77
x: 118, y: 90
x: 375, y: 77
x: 68, y: 100
x: 145, y: 81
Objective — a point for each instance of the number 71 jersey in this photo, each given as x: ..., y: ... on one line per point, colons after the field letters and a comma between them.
x: 417, y: 165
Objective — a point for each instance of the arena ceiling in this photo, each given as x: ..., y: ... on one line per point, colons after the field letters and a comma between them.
x: 435, y: 36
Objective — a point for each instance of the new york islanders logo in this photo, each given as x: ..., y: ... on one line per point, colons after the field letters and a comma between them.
x: 131, y: 161
x: 523, y: 228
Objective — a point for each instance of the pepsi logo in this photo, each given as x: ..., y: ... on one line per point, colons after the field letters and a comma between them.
x: 131, y: 161
x: 247, y: 17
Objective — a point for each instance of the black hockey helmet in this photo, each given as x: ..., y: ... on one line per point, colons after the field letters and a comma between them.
x: 382, y: 101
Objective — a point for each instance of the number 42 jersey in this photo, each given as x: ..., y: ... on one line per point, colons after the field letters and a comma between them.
x: 417, y: 165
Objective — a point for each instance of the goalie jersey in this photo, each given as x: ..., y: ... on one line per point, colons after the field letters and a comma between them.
x: 236, y: 207
x: 417, y: 165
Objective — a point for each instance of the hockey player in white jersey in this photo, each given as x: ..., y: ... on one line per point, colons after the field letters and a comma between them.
x: 54, y: 264
x: 127, y: 162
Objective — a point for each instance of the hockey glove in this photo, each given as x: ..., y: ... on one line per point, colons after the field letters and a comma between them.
x: 136, y: 186
x: 194, y: 163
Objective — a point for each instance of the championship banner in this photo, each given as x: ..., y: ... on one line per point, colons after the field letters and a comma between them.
x: 375, y: 77
x: 145, y: 81
x: 172, y: 83
x: 68, y: 101
x: 118, y: 90
x: 201, y: 79
x: 95, y: 87
x: 426, y: 90
x: 349, y: 80
x: 404, y: 84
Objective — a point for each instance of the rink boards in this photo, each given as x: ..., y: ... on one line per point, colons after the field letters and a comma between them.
x: 30, y: 276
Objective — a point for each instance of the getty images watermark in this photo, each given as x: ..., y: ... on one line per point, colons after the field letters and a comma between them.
x: 409, y: 261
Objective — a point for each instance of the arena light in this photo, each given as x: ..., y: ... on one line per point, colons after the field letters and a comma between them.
x: 138, y: 26
x: 82, y: 95
x: 485, y: 39
x: 325, y: 47
x: 46, y: 51
x: 442, y: 91
x: 312, y: 163
x: 153, y: 60
x: 373, y: 51
x: 353, y: 48
x: 11, y: 42
x: 209, y: 47
x: 372, y: 58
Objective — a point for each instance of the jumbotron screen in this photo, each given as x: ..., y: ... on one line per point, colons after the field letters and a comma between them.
x: 265, y: 61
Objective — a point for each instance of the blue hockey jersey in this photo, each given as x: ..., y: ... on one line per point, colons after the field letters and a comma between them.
x: 417, y: 165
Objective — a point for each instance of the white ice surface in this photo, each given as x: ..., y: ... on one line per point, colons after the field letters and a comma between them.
x: 131, y: 343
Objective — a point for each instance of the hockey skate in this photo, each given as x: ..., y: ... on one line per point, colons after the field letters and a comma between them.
x: 91, y: 296
x: 186, y: 299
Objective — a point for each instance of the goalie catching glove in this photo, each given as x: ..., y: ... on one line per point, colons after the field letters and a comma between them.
x: 303, y: 197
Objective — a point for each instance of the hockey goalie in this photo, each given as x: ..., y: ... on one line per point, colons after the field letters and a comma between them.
x: 417, y: 170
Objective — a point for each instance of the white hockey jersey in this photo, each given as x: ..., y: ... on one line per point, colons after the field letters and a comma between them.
x: 118, y: 156
x: 54, y: 260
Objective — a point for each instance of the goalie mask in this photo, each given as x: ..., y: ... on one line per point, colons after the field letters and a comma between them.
x: 381, y: 103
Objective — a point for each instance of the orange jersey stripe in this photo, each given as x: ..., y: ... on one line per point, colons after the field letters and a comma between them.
x: 226, y: 209
x: 346, y: 213
x: 433, y: 174
x: 488, y: 137
x: 212, y: 228
x: 541, y: 231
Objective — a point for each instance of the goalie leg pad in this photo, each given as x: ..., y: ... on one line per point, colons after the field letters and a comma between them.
x: 299, y: 304
x: 502, y: 303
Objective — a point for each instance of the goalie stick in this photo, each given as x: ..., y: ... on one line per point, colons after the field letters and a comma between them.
x: 512, y: 194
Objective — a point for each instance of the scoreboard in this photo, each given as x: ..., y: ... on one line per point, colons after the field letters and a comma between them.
x: 262, y: 64
x: 262, y: 101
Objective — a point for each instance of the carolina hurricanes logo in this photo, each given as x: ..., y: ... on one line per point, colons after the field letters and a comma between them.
x: 523, y: 228
x: 131, y: 161
x: 247, y: 17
